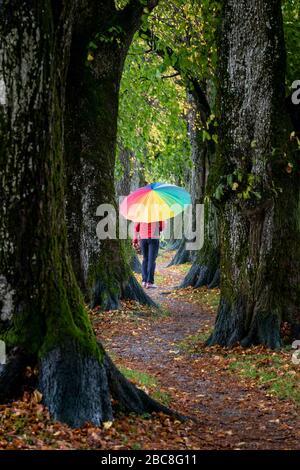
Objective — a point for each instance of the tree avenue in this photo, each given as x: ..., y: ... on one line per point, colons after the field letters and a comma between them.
x: 257, y: 190
x: 221, y: 126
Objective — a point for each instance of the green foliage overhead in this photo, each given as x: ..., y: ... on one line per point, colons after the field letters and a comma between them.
x: 152, y: 115
x: 291, y: 17
x: 153, y: 108
x: 188, y: 28
x: 177, y: 40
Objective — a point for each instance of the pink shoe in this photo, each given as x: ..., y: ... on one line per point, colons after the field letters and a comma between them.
x: 151, y: 286
x: 144, y: 284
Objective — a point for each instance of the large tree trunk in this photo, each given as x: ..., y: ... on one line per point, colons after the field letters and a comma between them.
x: 198, y: 177
x: 41, y: 309
x: 205, y: 270
x: 260, y: 247
x: 42, y: 317
x: 101, y: 266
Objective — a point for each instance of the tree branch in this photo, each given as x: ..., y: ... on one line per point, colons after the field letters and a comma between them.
x: 131, y: 15
x: 176, y: 74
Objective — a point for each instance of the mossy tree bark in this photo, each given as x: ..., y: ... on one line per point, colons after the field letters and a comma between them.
x: 260, y: 243
x: 102, y: 266
x: 42, y: 317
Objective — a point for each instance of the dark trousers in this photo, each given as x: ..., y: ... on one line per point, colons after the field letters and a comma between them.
x: 149, y: 248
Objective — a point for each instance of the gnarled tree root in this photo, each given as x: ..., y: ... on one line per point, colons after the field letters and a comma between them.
x: 108, y: 299
x: 133, y: 291
x: 130, y: 398
x: 201, y: 275
x: 182, y: 255
x: 230, y: 329
x: 136, y: 265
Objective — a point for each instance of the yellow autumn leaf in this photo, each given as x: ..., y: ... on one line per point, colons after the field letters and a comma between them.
x: 107, y: 424
x: 90, y: 57
x: 37, y: 396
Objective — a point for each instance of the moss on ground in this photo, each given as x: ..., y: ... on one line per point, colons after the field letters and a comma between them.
x: 274, y: 372
x: 146, y: 382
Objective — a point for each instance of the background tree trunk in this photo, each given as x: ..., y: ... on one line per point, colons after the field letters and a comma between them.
x: 123, y: 188
x: 103, y: 267
x: 205, y: 270
x: 172, y: 242
x: 138, y: 175
x: 197, y: 118
x: 260, y: 244
x: 123, y: 184
x: 205, y: 267
x: 183, y: 255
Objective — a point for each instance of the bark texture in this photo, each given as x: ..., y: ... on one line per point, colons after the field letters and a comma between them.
x: 136, y: 264
x: 260, y: 245
x: 102, y: 266
x: 41, y: 306
x: 75, y: 381
x: 130, y: 398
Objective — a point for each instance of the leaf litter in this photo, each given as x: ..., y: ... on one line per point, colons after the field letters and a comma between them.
x: 238, y: 398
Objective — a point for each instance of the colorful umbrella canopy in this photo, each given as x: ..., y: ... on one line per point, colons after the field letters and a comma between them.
x: 154, y: 202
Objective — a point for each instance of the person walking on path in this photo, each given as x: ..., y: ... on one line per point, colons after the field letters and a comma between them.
x: 147, y: 235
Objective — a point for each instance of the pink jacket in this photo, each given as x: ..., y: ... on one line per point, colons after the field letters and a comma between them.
x: 148, y: 230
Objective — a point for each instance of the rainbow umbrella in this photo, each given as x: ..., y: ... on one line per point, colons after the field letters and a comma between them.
x: 154, y: 202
